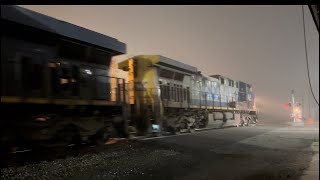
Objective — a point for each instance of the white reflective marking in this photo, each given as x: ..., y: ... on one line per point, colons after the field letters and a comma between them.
x: 204, y: 130
x: 21, y: 151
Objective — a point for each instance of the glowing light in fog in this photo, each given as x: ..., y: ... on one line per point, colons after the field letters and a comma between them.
x: 88, y: 71
x: 286, y: 105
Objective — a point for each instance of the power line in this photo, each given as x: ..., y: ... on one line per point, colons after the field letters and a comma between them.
x: 306, y: 50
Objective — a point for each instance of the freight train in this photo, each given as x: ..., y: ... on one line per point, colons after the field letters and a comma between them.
x: 56, y: 87
x: 55, y: 82
x: 177, y: 97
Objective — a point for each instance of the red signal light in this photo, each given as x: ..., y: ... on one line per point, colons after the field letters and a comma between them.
x: 310, y: 120
x: 287, y: 104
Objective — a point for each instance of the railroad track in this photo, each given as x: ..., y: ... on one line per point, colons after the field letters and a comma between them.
x: 23, y: 157
x: 31, y: 156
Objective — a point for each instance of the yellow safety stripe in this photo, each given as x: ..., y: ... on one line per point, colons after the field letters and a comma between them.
x: 15, y: 99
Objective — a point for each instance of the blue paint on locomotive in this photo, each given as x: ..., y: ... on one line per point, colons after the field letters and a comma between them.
x: 196, y: 102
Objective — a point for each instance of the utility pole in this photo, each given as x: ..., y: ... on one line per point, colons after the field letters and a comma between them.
x: 309, y: 110
x: 292, y: 97
x: 293, y: 105
x: 296, y: 111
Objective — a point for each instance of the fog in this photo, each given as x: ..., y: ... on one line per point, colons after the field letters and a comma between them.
x: 261, y: 45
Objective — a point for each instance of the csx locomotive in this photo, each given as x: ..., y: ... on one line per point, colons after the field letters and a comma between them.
x: 56, y: 87
x: 55, y: 81
x: 177, y: 97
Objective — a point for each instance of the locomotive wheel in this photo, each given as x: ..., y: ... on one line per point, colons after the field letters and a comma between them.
x: 241, y: 123
x: 68, y: 135
x: 247, y: 122
x: 102, y: 136
x: 182, y: 128
x: 171, y: 130
x: 192, y: 130
x: 177, y: 131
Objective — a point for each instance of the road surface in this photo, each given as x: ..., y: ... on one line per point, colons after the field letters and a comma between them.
x: 260, y: 152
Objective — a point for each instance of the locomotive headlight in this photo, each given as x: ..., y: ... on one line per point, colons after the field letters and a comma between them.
x: 296, y: 110
x: 88, y: 71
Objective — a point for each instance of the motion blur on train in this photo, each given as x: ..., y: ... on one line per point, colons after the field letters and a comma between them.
x: 56, y: 83
x: 57, y: 89
x: 178, y: 98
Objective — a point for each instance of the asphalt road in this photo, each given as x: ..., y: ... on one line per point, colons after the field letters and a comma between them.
x: 260, y: 152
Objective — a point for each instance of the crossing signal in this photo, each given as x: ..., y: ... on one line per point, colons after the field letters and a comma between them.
x: 287, y: 105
